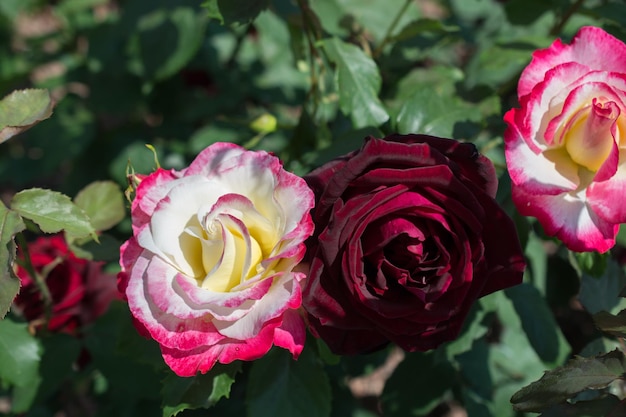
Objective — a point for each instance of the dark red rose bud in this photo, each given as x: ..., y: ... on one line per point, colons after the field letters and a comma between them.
x: 407, y: 236
x: 80, y: 291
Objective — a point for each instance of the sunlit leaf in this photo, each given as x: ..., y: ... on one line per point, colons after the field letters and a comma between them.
x: 20, y: 353
x: 103, y: 202
x: 22, y: 109
x: 52, y: 211
x: 358, y: 82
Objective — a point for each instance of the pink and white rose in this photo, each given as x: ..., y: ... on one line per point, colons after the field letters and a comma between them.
x: 566, y: 145
x: 208, y: 272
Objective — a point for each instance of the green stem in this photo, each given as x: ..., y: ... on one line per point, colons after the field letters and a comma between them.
x: 391, y: 28
x: 556, y: 30
x: 239, y: 38
x: 39, y: 279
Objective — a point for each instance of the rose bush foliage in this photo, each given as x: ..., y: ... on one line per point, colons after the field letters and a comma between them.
x: 208, y: 272
x: 564, y: 145
x: 408, y: 235
x: 80, y: 291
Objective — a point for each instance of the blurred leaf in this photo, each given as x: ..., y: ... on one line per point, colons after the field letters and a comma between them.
x: 346, y: 143
x: 373, y: 17
x: 592, y: 263
x: 10, y: 224
x: 50, y: 148
x: 52, y: 211
x: 597, y: 294
x: 20, y: 354
x: 280, y: 386
x: 524, y: 12
x: 168, y: 40
x: 535, y: 251
x: 103, y: 202
x: 577, y: 375
x: 423, y: 25
x: 106, y: 249
x: 11, y: 8
x: 234, y: 11
x: 325, y: 353
x: 499, y: 365
x: 430, y: 113
x: 608, y: 323
x: 399, y: 395
x: 60, y: 351
x: 130, y: 363
x: 473, y: 329
x: 200, y: 391
x: 609, y: 406
x: 358, y: 82
x: 498, y: 64
x: 22, y: 109
x: 539, y: 324
x: 612, y: 11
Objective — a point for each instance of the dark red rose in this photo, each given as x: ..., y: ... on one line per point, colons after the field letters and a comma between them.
x: 80, y: 291
x: 408, y: 235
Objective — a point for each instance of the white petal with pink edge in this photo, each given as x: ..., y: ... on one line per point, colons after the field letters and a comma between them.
x: 569, y: 217
x: 210, y: 267
x: 591, y: 46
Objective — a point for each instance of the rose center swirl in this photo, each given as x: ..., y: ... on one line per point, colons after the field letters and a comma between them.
x: 230, y: 241
x: 590, y: 134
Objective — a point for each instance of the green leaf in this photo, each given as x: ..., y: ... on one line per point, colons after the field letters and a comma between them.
x: 597, y: 294
x: 524, y: 12
x: 282, y: 387
x: 130, y: 363
x: 10, y: 224
x: 500, y: 64
x: 167, y: 41
x: 20, y: 354
x: 609, y: 406
x: 608, y: 323
x: 592, y: 263
x: 103, y: 202
x: 52, y: 211
x: 539, y: 324
x: 423, y: 25
x: 106, y: 249
x: 473, y: 329
x: 578, y: 375
x: 60, y: 351
x: 201, y: 391
x: 23, y: 109
x: 374, y: 17
x: 399, y: 395
x: 234, y: 11
x: 358, y: 82
x: 429, y: 112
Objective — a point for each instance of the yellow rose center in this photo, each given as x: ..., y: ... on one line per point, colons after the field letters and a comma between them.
x: 233, y: 245
x: 589, y: 138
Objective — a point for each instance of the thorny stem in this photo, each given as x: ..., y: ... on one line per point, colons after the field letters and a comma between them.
x: 391, y: 28
x: 556, y: 30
